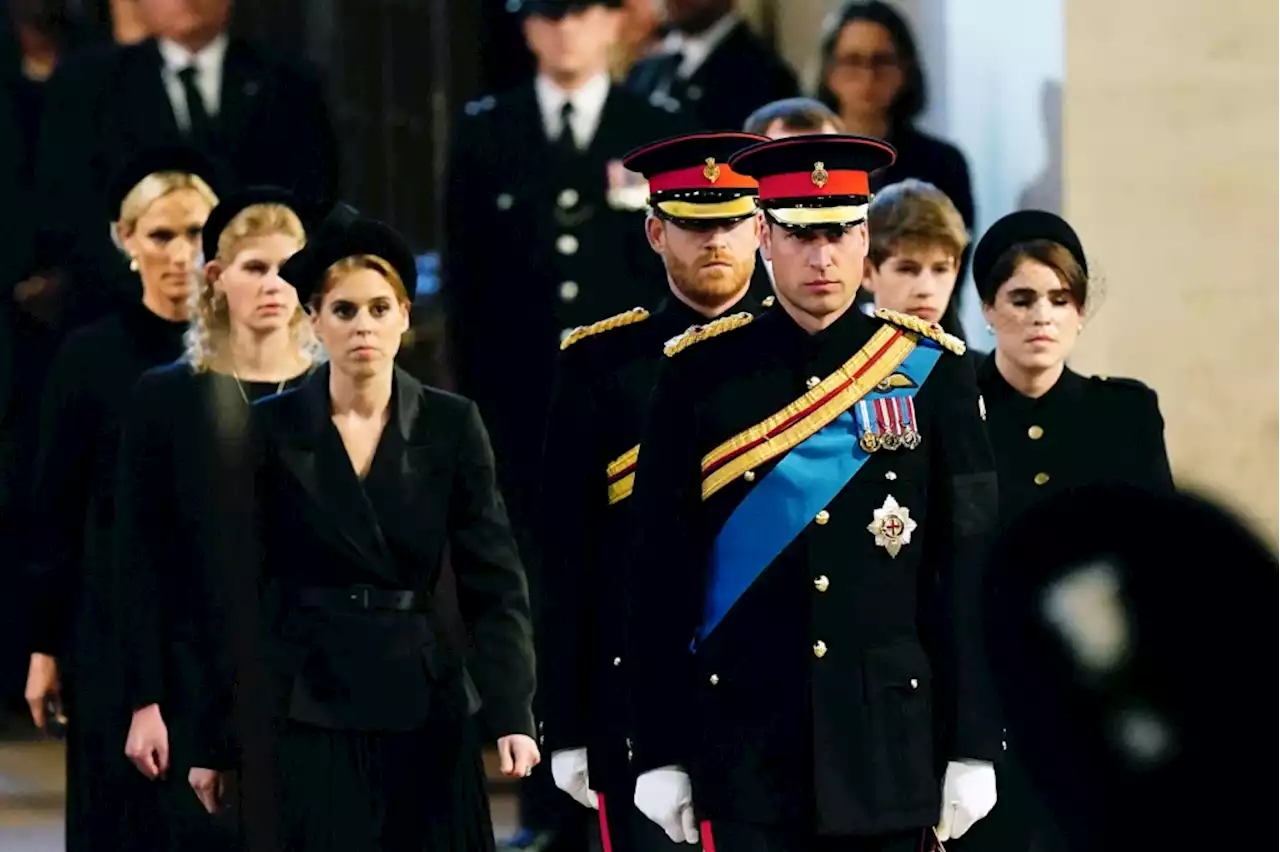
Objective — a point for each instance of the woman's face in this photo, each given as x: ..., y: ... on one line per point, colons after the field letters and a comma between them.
x: 1035, y: 318
x: 360, y: 323
x: 165, y: 243
x: 866, y: 72
x: 258, y: 299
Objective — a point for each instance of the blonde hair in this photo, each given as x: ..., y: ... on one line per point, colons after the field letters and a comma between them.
x: 210, y: 325
x: 362, y: 261
x: 151, y: 189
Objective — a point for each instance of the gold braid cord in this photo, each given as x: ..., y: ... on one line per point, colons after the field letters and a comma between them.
x: 582, y: 332
x: 699, y: 333
x: 931, y: 330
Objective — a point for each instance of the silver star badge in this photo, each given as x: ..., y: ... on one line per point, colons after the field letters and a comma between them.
x: 892, y: 526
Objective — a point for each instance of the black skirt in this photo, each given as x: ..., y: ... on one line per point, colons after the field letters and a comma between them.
x: 356, y: 791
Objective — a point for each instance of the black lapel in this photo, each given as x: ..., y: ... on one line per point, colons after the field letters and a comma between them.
x: 614, y: 136
x: 311, y: 449
x: 145, y: 89
x: 244, y: 86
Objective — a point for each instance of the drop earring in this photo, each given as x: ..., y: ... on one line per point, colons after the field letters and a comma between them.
x: 1079, y: 328
x: 133, y: 264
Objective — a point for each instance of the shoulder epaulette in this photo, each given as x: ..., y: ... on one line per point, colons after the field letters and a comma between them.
x: 924, y: 328
x: 582, y: 332
x: 699, y: 333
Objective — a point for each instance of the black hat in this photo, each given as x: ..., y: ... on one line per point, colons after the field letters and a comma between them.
x: 1020, y: 227
x: 691, y: 181
x: 345, y: 233
x: 171, y: 158
x: 815, y: 180
x: 556, y: 9
x: 1124, y: 629
x: 231, y: 205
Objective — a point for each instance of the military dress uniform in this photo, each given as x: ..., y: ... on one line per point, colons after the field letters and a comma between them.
x: 810, y: 517
x: 606, y: 374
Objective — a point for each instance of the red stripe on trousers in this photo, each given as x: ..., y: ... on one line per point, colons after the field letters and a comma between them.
x: 708, y: 842
x: 605, y: 840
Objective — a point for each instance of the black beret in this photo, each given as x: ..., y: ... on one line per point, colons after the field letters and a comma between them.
x: 556, y: 9
x: 169, y: 158
x: 1022, y: 226
x: 230, y: 206
x: 1125, y: 630
x: 344, y: 233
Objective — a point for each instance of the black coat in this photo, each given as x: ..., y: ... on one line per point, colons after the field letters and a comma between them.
x: 851, y: 742
x: 431, y: 487
x: 597, y: 412
x: 106, y: 104
x: 738, y: 77
x: 175, y: 471
x: 934, y: 161
x: 512, y: 290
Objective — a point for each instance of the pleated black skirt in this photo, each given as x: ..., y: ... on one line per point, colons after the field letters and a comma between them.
x: 353, y: 791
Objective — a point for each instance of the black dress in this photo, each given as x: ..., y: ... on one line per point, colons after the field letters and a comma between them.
x: 372, y: 707
x: 85, y: 400
x: 1084, y: 431
x: 172, y: 481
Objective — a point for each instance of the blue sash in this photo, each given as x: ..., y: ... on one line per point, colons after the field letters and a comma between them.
x: 786, y: 501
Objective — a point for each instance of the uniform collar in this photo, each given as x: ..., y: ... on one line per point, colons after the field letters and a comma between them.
x: 994, y: 386
x: 207, y: 60
x: 588, y: 105
x: 696, y: 48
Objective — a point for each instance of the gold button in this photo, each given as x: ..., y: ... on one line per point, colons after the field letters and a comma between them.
x: 768, y: 302
x: 890, y: 475
x: 714, y: 679
x: 823, y: 517
x: 749, y: 476
x: 822, y: 583
x: 617, y: 661
x: 819, y: 649
x: 813, y: 382
x: 1035, y: 433
x: 567, y: 244
x: 568, y: 198
x: 568, y: 291
x: 1041, y: 478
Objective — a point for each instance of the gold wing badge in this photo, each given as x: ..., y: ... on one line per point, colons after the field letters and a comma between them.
x: 895, y: 382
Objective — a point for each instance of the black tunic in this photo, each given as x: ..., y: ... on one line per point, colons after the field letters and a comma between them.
x: 175, y: 472
x: 598, y: 410
x: 774, y: 728
x: 363, y: 681
x: 87, y: 396
x: 1082, y: 432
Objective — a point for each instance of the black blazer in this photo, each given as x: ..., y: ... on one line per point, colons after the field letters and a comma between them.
x: 741, y: 75
x: 106, y: 104
x: 430, y: 488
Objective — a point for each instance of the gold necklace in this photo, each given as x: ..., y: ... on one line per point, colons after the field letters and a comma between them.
x: 245, y: 396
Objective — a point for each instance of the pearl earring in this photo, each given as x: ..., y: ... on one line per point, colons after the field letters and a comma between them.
x: 990, y: 330
x: 133, y: 264
x: 1079, y: 328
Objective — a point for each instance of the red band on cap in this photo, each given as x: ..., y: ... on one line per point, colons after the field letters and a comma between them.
x: 695, y: 178
x: 802, y: 184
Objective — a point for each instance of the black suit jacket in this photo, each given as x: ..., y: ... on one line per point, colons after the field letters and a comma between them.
x: 846, y: 738
x: 106, y: 104
x: 431, y: 487
x: 741, y: 75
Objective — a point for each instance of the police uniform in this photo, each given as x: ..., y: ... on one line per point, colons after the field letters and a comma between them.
x: 810, y: 515
x: 1083, y: 431
x: 607, y: 371
x: 543, y: 234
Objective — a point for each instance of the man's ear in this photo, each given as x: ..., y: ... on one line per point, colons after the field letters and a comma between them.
x: 655, y: 233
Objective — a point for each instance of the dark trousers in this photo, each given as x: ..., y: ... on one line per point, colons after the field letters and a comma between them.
x: 110, y: 806
x: 619, y: 827
x: 745, y: 837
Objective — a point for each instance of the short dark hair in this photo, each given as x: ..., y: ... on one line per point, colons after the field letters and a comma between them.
x: 912, y: 97
x: 913, y: 213
x: 801, y: 115
x: 1051, y: 254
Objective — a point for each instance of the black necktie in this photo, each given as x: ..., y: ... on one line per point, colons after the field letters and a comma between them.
x: 565, y: 142
x: 197, y: 114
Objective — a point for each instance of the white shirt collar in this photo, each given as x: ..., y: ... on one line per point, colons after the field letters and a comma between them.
x: 206, y: 60
x: 697, y: 48
x: 588, y: 105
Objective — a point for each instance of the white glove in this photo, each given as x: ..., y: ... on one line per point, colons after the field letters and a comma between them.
x: 666, y: 797
x: 968, y: 794
x: 569, y: 769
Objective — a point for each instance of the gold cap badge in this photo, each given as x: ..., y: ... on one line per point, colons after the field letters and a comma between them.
x: 712, y: 171
x: 819, y: 175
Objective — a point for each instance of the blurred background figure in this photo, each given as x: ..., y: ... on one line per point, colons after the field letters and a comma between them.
x: 712, y: 65
x: 871, y: 75
x: 1131, y: 638
x: 793, y: 117
x: 640, y: 35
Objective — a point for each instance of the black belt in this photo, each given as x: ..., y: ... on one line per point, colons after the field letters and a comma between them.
x: 358, y: 598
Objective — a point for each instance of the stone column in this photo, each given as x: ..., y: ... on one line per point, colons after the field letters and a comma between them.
x: 1170, y: 147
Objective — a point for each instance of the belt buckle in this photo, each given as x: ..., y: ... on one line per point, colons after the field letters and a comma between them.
x: 362, y: 596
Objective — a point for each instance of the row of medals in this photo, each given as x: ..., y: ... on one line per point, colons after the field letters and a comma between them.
x: 873, y: 441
